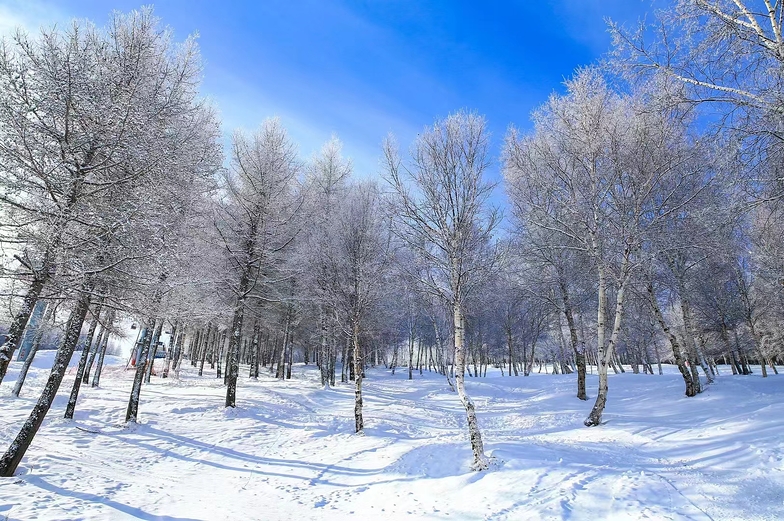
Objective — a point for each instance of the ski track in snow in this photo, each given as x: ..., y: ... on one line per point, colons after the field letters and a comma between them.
x: 288, y: 452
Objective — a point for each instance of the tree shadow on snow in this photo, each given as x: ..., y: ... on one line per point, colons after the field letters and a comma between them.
x: 93, y: 498
x: 426, y: 461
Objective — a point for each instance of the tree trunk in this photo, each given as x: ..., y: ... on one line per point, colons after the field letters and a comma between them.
x: 333, y: 355
x: 324, y: 351
x: 194, y: 347
x: 743, y: 366
x: 132, y: 412
x: 676, y: 350
x: 757, y: 346
x: 440, y: 347
x: 480, y: 461
x: 170, y: 350
x: 153, y: 349
x: 256, y: 351
x: 71, y: 406
x: 410, y: 354
x: 693, y: 350
x: 281, y: 372
x: 19, y: 323
x: 39, y: 310
x: 104, y: 333
x: 178, y: 353
x: 605, y: 352
x: 13, y: 456
x: 344, y: 356
x: 533, y: 357
x: 220, y: 358
x: 510, y: 348
x: 205, y: 340
x: 290, y: 359
x: 101, y: 355
x: 153, y: 352
x: 85, y: 376
x: 233, y: 368
x: 359, y: 423
x: 28, y: 361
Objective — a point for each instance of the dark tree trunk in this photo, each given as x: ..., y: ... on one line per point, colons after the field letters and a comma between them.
x: 170, y: 350
x: 131, y: 414
x: 105, y: 336
x: 39, y: 334
x: 744, y: 363
x: 156, y: 337
x: 676, y: 350
x: 101, y: 355
x: 234, y: 345
x: 194, y: 353
x: 153, y: 349
x: 205, y: 340
x: 71, y: 407
x: 13, y: 456
x: 579, y: 354
x: 19, y: 323
x: 255, y: 351
x: 85, y: 375
x: 179, y: 353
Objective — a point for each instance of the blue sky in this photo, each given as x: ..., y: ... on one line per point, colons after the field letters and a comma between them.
x: 364, y: 68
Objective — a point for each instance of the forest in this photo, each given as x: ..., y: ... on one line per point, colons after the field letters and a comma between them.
x: 642, y: 230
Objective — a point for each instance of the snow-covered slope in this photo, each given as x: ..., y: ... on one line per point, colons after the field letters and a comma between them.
x: 288, y: 452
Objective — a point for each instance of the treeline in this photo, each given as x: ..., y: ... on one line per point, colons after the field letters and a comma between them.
x: 643, y: 227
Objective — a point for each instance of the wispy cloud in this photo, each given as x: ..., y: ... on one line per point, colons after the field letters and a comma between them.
x: 363, y: 69
x: 28, y: 15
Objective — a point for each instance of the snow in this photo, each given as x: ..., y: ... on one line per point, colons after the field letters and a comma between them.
x: 288, y: 452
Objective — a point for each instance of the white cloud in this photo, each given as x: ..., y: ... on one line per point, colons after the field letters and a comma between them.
x: 29, y: 15
x: 358, y: 122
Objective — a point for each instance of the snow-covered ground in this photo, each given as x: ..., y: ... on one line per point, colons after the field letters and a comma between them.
x: 288, y: 452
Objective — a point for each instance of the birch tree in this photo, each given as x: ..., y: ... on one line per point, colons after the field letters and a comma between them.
x: 440, y: 204
x: 600, y: 170
x: 726, y: 55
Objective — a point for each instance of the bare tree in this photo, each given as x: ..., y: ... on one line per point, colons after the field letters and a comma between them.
x: 83, y: 112
x: 100, y: 118
x: 327, y: 175
x: 359, y: 260
x: 601, y: 169
x: 440, y: 204
x: 255, y: 221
